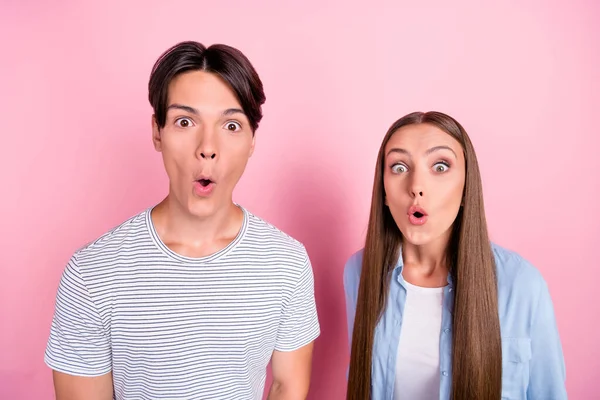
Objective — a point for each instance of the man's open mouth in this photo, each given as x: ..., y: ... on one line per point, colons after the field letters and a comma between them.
x: 204, y: 182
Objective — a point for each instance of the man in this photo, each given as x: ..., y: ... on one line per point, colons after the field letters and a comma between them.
x: 193, y: 297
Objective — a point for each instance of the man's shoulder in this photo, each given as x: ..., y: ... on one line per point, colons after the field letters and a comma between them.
x: 125, y: 235
x: 274, y: 240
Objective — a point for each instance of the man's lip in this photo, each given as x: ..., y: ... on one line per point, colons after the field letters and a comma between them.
x: 415, y: 208
x: 204, y: 178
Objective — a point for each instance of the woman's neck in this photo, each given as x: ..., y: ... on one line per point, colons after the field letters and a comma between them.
x: 426, y: 265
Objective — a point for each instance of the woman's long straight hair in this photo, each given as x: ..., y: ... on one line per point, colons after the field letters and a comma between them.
x: 476, y: 345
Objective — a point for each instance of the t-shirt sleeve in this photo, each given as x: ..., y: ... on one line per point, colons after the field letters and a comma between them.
x: 78, y: 344
x: 300, y: 324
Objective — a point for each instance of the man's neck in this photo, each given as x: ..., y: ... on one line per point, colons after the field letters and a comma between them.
x: 192, y: 236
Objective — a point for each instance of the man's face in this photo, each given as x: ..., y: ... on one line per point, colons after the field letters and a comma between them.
x: 205, y: 143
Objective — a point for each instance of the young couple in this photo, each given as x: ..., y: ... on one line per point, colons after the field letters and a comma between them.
x: 192, y: 298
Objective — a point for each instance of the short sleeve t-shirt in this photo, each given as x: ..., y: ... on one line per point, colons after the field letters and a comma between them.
x: 175, y: 327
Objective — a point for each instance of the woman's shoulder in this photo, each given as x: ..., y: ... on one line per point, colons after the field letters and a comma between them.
x: 515, y: 271
x: 352, y: 270
x: 354, y: 262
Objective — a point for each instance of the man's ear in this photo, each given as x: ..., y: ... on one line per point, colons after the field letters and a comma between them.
x: 252, y: 145
x: 156, y: 139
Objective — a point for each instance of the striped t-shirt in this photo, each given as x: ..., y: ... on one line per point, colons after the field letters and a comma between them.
x: 174, y: 327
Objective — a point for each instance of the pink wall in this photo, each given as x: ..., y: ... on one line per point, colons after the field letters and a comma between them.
x: 77, y: 157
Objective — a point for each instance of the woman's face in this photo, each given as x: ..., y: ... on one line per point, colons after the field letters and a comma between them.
x: 424, y: 180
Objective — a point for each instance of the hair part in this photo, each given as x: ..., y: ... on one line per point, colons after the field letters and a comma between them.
x: 227, y: 62
x: 476, y: 342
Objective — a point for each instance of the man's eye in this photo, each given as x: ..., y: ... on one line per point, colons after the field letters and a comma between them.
x: 183, y: 122
x: 233, y: 126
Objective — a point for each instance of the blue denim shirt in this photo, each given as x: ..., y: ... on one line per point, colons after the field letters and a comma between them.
x: 532, y: 358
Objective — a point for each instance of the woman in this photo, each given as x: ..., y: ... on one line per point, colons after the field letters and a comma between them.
x: 436, y: 311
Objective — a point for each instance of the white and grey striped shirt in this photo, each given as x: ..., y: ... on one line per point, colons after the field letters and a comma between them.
x: 174, y: 327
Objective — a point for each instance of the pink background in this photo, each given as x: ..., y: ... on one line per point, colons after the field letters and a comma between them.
x: 77, y: 157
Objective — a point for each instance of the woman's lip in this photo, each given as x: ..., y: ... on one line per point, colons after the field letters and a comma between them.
x: 415, y: 208
x: 417, y: 221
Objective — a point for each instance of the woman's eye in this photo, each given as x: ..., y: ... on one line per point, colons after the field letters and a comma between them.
x: 399, y: 168
x: 183, y: 122
x: 233, y: 126
x: 440, y: 167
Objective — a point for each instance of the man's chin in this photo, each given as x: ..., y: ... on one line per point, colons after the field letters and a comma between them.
x: 202, y: 208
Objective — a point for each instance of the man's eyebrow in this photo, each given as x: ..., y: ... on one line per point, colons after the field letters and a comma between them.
x: 192, y: 110
x: 189, y: 109
x: 231, y: 111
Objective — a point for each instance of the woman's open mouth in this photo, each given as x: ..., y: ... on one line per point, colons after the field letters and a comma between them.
x: 417, y: 215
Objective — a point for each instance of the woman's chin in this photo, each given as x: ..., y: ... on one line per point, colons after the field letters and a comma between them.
x: 416, y: 238
x: 421, y: 237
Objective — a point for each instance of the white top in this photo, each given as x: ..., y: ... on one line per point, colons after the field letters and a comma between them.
x: 418, y: 361
x: 169, y: 326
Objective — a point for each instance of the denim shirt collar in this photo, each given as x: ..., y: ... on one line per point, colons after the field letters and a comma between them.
x: 448, y: 290
x: 397, y: 272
